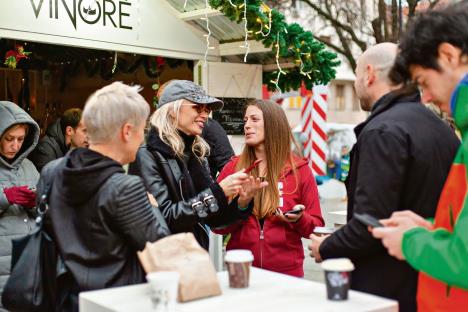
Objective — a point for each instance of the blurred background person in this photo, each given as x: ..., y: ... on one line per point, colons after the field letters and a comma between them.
x: 19, y: 134
x: 174, y: 167
x: 64, y: 134
x: 271, y: 231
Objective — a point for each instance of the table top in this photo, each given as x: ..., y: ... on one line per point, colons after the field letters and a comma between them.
x: 268, y: 291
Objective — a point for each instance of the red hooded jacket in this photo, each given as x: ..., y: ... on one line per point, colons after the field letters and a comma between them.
x: 278, y: 247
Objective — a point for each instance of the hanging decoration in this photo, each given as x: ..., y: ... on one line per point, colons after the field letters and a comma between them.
x: 12, y: 57
x: 114, y: 67
x: 314, y: 63
x: 207, y: 20
x: 246, y: 45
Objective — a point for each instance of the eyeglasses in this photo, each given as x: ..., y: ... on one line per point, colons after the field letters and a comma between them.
x: 200, y: 108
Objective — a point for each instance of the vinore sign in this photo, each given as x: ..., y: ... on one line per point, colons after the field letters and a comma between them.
x: 104, y: 12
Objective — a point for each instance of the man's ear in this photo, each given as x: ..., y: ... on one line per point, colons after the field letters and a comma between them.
x: 69, y: 130
x: 125, y: 132
x: 370, y: 74
x: 449, y: 54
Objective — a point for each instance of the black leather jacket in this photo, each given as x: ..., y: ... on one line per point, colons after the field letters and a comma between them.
x: 99, y: 218
x: 163, y: 175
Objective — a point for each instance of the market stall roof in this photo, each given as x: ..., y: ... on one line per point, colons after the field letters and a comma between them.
x: 165, y: 28
x: 226, y: 37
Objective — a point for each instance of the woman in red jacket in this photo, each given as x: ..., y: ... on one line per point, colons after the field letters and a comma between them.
x: 270, y: 232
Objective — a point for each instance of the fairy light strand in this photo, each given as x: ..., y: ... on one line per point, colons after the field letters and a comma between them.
x: 280, y: 70
x: 114, y: 67
x: 266, y: 8
x: 246, y: 45
x: 207, y: 36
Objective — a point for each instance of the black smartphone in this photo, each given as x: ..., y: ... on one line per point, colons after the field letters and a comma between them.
x: 296, y: 210
x: 367, y: 220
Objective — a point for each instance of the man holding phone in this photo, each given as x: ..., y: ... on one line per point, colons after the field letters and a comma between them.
x: 440, y: 250
x: 400, y: 161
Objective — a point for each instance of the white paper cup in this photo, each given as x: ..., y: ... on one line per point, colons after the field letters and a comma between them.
x: 337, y: 277
x: 238, y: 262
x: 164, y: 289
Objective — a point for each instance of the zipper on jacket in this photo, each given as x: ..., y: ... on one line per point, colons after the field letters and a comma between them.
x: 262, y: 237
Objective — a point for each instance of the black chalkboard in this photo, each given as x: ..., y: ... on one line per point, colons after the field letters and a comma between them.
x: 231, y: 117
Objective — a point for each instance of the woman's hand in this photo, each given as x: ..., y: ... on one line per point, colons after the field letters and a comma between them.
x: 288, y: 217
x: 248, y: 190
x: 232, y: 184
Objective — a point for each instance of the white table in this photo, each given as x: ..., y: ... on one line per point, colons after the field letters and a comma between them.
x: 268, y: 291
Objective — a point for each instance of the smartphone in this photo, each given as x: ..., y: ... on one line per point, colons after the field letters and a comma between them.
x: 367, y: 220
x: 296, y: 210
x: 252, y: 166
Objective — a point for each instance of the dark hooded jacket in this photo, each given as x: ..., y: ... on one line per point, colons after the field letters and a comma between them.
x: 50, y: 147
x: 100, y: 217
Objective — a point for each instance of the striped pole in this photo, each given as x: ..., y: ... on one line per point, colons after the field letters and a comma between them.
x: 313, y: 120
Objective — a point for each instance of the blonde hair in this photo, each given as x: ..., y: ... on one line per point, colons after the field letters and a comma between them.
x: 166, y: 125
x: 110, y: 107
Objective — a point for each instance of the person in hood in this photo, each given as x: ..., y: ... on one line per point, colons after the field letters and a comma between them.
x: 272, y: 232
x: 99, y: 216
x: 19, y: 134
x: 66, y: 133
x: 174, y: 168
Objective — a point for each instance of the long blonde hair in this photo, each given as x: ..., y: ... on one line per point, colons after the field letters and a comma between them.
x: 278, y: 142
x: 166, y: 126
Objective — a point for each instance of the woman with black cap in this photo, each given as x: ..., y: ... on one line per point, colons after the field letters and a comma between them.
x: 175, y: 171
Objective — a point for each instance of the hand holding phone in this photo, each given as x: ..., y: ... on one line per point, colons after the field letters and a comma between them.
x: 252, y: 166
x: 367, y: 220
x: 296, y: 210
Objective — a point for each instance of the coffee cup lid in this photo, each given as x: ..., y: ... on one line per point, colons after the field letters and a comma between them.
x: 338, y: 265
x: 239, y: 255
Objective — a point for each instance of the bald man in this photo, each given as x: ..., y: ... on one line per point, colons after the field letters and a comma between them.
x: 400, y: 161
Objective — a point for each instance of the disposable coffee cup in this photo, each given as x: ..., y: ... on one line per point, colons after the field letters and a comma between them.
x: 164, y: 290
x: 238, y: 262
x: 322, y: 230
x: 337, y: 278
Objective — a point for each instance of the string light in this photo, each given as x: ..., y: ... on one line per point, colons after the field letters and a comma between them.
x: 280, y: 70
x: 114, y: 67
x: 246, y: 45
x: 207, y: 36
x: 268, y: 27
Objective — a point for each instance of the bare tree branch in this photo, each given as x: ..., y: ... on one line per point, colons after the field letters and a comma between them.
x: 337, y: 24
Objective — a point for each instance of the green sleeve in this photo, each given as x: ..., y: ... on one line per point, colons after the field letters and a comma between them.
x: 439, y: 253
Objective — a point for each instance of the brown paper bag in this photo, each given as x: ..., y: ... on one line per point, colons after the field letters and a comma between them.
x: 182, y: 253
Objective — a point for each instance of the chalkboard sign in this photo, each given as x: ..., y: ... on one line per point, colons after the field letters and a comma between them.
x: 231, y: 117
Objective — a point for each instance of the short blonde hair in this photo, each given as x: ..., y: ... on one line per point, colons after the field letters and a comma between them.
x: 110, y: 107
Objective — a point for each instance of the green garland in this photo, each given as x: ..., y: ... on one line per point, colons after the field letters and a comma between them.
x: 318, y: 64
